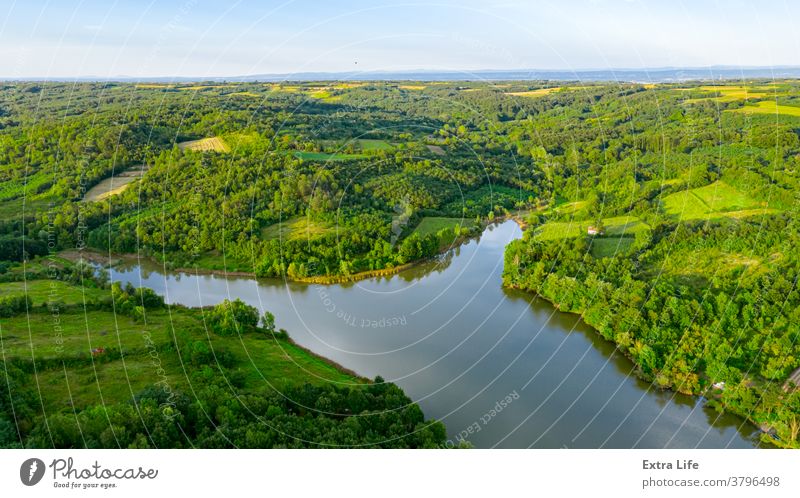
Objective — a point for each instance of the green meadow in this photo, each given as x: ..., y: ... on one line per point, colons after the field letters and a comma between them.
x: 769, y: 107
x: 140, y: 353
x: 433, y: 224
x: 603, y: 247
x: 52, y: 291
x: 325, y: 156
x: 715, y: 201
x: 300, y: 228
x: 613, y: 226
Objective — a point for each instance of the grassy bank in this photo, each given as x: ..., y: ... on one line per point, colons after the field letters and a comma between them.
x: 134, y: 373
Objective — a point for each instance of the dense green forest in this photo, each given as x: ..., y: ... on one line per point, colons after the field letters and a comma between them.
x: 664, y: 214
x: 292, y: 181
x: 672, y: 230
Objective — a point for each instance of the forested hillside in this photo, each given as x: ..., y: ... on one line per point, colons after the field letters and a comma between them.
x: 664, y: 214
x: 673, y: 231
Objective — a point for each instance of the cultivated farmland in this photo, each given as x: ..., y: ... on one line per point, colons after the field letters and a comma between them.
x: 211, y: 144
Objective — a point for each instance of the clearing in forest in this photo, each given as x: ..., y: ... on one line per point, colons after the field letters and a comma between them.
x: 731, y: 93
x: 243, y: 94
x: 569, y: 207
x: 616, y: 226
x: 374, y: 144
x: 769, y: 107
x: 115, y: 184
x: 29, y: 336
x: 432, y: 224
x: 696, y: 266
x: 153, y: 85
x: 300, y: 228
x: 436, y: 150
x: 214, y: 144
x: 715, y: 201
x: 325, y: 156
x: 51, y: 291
x: 613, y: 246
x: 539, y: 92
x: 201, y: 87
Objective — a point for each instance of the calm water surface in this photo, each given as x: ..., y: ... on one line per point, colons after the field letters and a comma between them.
x: 498, y: 367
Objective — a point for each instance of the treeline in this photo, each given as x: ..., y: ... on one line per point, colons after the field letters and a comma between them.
x: 737, y: 326
x: 375, y: 415
x: 219, y: 411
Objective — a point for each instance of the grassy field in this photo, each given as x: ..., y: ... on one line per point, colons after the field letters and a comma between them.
x: 300, y: 228
x: 731, y: 93
x: 413, y: 87
x: 324, y: 156
x: 344, y: 85
x: 263, y: 360
x: 201, y: 87
x: 369, y: 144
x: 153, y: 85
x: 76, y: 333
x: 114, y: 185
x: 436, y: 150
x: 42, y: 291
x: 14, y: 208
x: 612, y: 246
x: 769, y: 107
x: 718, y: 200
x: 570, y: 207
x: 145, y: 345
x: 614, y: 226
x: 39, y: 265
x: 432, y: 224
x: 25, y: 186
x: 321, y: 93
x: 695, y: 266
x: 243, y: 94
x: 205, y: 145
x: 540, y: 92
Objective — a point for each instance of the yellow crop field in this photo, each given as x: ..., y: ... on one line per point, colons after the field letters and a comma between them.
x: 153, y: 85
x: 346, y: 85
x: 202, y: 87
x: 214, y: 144
x: 769, y: 107
x: 286, y: 88
x: 540, y: 92
x: 729, y: 93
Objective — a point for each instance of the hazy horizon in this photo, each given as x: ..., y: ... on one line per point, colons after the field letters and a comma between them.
x: 589, y: 75
x: 201, y: 39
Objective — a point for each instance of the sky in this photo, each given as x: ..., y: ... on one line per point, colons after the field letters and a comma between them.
x: 201, y: 38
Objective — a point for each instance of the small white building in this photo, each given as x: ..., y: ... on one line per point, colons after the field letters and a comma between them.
x: 594, y: 231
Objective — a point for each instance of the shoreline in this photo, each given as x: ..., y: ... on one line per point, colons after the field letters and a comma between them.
x: 707, y: 396
x: 115, y: 259
x: 639, y: 374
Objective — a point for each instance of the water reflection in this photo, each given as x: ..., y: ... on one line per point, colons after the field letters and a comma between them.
x: 459, y: 344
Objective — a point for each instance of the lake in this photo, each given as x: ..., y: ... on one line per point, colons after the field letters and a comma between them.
x: 499, y: 367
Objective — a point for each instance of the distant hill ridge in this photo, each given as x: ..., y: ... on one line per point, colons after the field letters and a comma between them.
x: 648, y: 75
